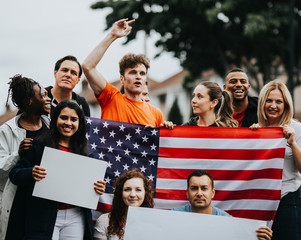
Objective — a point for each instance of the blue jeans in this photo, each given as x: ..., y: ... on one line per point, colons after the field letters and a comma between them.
x: 287, y: 222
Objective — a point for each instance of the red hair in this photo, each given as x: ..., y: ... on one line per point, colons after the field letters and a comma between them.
x: 117, y: 217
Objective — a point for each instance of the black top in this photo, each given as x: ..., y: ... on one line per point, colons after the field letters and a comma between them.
x: 251, y: 113
x: 194, y: 122
x: 81, y: 101
x: 34, y: 134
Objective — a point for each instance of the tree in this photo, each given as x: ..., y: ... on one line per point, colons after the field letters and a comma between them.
x: 218, y: 34
x: 175, y: 114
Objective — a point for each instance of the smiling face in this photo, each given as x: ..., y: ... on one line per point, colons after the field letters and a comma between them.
x: 200, y: 193
x: 238, y: 84
x: 67, y: 124
x: 201, y: 102
x: 133, y: 192
x: 134, y: 80
x: 274, y: 107
x: 40, y: 103
x: 67, y: 76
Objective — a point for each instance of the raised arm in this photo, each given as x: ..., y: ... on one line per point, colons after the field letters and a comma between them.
x: 97, y: 82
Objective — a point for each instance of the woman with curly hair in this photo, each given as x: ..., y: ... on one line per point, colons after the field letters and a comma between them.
x: 131, y: 189
x: 17, y: 135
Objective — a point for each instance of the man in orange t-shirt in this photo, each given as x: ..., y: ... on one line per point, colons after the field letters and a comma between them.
x: 133, y: 69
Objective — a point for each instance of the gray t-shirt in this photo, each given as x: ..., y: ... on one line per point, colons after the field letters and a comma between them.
x: 215, y: 211
x: 291, y: 178
x: 101, y: 228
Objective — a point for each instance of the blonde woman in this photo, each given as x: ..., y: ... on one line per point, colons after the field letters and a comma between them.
x: 275, y: 108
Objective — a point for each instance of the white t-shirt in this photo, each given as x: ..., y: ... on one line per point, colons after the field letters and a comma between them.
x: 101, y: 228
x: 291, y: 178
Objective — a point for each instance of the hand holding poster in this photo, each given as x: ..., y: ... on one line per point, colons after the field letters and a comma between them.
x: 70, y: 178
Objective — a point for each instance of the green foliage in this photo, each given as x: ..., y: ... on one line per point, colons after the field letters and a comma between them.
x: 175, y: 115
x: 218, y: 34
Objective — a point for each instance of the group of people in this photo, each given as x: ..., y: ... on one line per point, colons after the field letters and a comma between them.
x: 23, y: 139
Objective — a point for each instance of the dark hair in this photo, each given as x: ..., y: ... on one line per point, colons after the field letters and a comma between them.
x: 131, y: 60
x: 21, y: 90
x: 122, y: 89
x: 119, y: 209
x: 78, y: 141
x: 70, y: 58
x: 199, y: 173
x: 234, y: 70
x: 224, y: 108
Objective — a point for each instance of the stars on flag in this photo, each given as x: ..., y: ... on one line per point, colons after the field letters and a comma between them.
x: 128, y: 137
x: 135, y: 160
x: 93, y: 146
x: 144, y: 154
x: 154, y: 132
x: 127, y: 152
x: 153, y: 147
x: 107, y: 180
x: 110, y: 149
x: 112, y: 133
x: 136, y: 145
x: 151, y: 177
x: 137, y: 130
x: 152, y: 162
x: 103, y: 140
x: 126, y: 167
x: 105, y: 125
x: 123, y: 146
x: 145, y: 138
x: 121, y: 128
x: 100, y: 155
x: 95, y: 130
x: 118, y: 143
x: 117, y: 173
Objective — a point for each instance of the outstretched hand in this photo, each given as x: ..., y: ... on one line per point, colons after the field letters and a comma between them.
x: 121, y: 28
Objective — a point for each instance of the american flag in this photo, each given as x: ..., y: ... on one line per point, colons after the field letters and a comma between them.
x: 246, y: 165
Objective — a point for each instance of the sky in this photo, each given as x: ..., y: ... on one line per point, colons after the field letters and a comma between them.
x: 34, y: 34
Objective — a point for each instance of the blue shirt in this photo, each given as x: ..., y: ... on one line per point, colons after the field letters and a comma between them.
x: 215, y: 211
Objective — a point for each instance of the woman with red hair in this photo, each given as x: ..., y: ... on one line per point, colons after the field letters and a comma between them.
x: 131, y: 189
